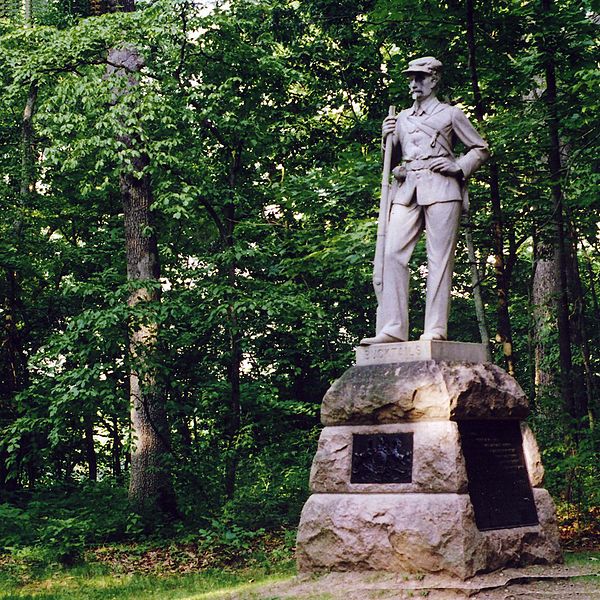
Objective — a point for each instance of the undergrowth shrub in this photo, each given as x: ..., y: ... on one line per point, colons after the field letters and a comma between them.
x: 56, y: 524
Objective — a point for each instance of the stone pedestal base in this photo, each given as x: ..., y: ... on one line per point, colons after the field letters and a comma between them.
x: 417, y: 533
x: 426, y: 467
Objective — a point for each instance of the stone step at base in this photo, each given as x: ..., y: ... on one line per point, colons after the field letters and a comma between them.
x: 417, y: 533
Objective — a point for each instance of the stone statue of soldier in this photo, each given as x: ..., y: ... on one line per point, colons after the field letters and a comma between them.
x: 428, y: 194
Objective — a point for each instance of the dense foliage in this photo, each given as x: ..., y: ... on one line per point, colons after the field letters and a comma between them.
x: 260, y: 121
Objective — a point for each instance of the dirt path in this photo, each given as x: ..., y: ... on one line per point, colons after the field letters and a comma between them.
x: 580, y: 582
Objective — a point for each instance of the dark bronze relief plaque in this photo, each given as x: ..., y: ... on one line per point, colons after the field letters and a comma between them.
x: 498, y: 482
x: 382, y: 458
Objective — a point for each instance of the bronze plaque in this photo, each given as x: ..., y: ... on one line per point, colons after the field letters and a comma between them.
x: 498, y: 482
x: 382, y: 458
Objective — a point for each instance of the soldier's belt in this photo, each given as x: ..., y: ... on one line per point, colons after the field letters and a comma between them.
x: 418, y: 164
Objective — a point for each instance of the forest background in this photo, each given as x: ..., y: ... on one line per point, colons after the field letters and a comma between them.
x: 188, y: 216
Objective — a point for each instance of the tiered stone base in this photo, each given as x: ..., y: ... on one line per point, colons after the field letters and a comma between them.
x: 417, y: 533
x: 428, y: 524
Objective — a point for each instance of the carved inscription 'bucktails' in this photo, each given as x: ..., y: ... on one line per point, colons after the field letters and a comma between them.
x: 422, y: 350
x: 393, y: 353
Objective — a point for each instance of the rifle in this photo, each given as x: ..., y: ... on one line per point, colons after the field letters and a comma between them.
x: 384, y: 212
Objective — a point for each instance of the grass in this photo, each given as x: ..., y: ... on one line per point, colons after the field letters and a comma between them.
x: 97, y: 581
x: 213, y: 565
x: 94, y: 582
x: 584, y: 559
x: 581, y: 558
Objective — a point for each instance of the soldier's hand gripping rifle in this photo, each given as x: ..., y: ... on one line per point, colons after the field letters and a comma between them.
x: 384, y: 213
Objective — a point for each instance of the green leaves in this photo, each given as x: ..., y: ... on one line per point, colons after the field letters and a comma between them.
x: 261, y: 124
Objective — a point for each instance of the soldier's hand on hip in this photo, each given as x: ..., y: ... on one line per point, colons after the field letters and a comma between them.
x: 445, y: 166
x: 388, y: 126
x: 399, y: 173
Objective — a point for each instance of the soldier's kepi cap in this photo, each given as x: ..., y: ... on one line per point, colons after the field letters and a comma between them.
x: 428, y: 65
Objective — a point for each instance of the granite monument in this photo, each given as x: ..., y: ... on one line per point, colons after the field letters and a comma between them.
x: 425, y: 463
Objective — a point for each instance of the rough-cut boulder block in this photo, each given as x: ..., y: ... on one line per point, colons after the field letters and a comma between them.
x: 416, y: 533
x: 389, y: 393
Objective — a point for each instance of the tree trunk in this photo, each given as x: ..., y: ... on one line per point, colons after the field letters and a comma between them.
x: 90, y: 450
x: 181, y: 423
x: 150, y: 483
x: 232, y: 425
x: 554, y: 164
x: 27, y: 6
x: 27, y: 148
x: 14, y: 374
x: 116, y: 449
x: 233, y: 419
x: 544, y: 296
x: 592, y: 284
x: 593, y: 408
x: 504, y: 332
x: 476, y: 281
x: 584, y: 391
x: 17, y: 359
x: 226, y: 229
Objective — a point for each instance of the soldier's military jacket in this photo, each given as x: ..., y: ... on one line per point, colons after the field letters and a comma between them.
x: 427, y: 131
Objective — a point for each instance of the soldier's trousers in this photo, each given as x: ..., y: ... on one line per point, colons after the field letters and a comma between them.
x: 440, y: 221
